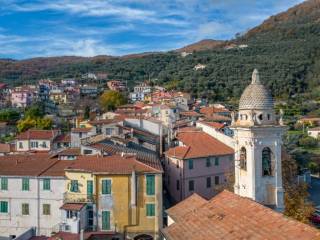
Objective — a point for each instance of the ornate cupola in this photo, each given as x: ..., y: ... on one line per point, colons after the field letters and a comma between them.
x: 258, y: 140
x: 256, y: 106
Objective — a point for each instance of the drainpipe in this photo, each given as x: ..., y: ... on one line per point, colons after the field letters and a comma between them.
x: 38, y: 205
x: 81, y: 234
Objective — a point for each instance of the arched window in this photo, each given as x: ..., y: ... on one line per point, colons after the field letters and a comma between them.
x: 269, y: 117
x: 243, y: 158
x: 266, y: 162
x: 260, y: 117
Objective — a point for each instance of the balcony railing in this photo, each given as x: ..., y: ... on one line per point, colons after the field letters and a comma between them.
x: 70, y: 197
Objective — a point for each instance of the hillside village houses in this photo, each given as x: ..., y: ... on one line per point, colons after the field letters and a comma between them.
x: 113, y: 176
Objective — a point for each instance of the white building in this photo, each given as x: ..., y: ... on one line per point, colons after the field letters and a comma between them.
x: 140, y: 91
x: 36, y: 140
x: 314, y: 132
x: 258, y: 143
x: 31, y: 193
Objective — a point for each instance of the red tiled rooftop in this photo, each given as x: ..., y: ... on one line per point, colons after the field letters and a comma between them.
x: 73, y: 206
x: 188, y: 205
x: 4, y: 148
x: 70, y: 152
x: 63, y: 138
x: 38, y: 134
x: 231, y: 217
x: 114, y: 164
x: 80, y: 130
x: 215, y: 125
x: 198, y: 144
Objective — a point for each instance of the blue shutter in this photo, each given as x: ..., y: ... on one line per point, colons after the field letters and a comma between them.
x: 106, y: 220
x: 150, y: 179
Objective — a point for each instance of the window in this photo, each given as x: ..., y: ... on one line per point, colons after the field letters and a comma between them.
x: 25, y: 209
x: 216, y: 180
x: 106, y: 186
x: 89, y: 187
x: 46, y: 184
x: 208, y: 182
x: 191, y: 185
x: 106, y: 220
x: 268, y: 116
x: 150, y: 182
x: 216, y: 161
x: 3, y: 207
x: 178, y: 185
x: 208, y: 162
x: 266, y: 162
x: 190, y: 164
x: 25, y: 184
x: 34, y: 144
x: 260, y: 117
x: 150, y: 209
x: 87, y: 152
x: 46, y: 209
x: 20, y: 145
x: 4, y: 183
x: 44, y: 144
x: 72, y: 214
x: 74, y: 186
x: 177, y: 163
x: 243, y: 158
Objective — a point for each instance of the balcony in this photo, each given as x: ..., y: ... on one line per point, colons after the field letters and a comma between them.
x: 70, y: 197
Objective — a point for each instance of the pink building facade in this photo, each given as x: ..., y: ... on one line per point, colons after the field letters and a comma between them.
x: 22, y: 98
x: 192, y: 168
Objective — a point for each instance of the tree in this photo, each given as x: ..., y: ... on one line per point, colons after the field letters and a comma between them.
x: 308, y: 142
x: 35, y: 111
x: 9, y: 115
x: 38, y: 123
x: 110, y: 100
x: 296, y: 201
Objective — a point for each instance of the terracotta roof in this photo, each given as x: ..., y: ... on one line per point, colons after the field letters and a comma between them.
x: 80, y: 130
x: 4, y: 148
x: 216, y: 117
x: 215, y: 125
x: 73, y: 206
x: 38, y: 134
x: 87, y: 235
x: 57, y: 169
x: 198, y: 144
x: 103, y: 121
x: 63, y: 138
x: 186, y: 206
x: 70, y: 152
x: 191, y: 114
x: 213, y: 110
x: 25, y: 165
x: 114, y: 164
x: 231, y: 217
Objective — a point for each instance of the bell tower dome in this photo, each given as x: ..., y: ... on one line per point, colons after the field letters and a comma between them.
x: 258, y: 140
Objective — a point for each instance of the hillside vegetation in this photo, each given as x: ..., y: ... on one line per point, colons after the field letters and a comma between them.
x: 285, y: 48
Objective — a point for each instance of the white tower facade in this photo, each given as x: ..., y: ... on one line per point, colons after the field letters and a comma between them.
x: 258, y: 140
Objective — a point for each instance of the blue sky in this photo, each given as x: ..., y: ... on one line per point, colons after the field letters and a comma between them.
x: 33, y: 28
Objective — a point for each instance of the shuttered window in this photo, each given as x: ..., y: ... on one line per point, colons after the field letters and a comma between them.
x: 4, y: 183
x: 25, y: 209
x: 74, y: 186
x: 46, y: 184
x: 106, y: 186
x: 106, y: 220
x: 89, y: 187
x: 46, y: 209
x: 25, y: 184
x: 3, y: 207
x: 190, y: 164
x: 150, y: 182
x: 150, y: 209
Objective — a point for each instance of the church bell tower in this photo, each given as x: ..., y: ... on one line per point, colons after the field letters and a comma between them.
x: 258, y: 139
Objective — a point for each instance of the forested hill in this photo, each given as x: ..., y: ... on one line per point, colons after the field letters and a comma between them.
x: 285, y: 48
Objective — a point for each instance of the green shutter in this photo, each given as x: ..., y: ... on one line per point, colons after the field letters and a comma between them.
x: 216, y: 161
x: 25, y: 184
x: 74, y: 186
x: 190, y: 163
x: 4, y: 183
x: 151, y: 209
x: 150, y: 179
x: 46, y: 184
x: 25, y: 209
x: 89, y: 187
x: 106, y: 186
x: 46, y: 209
x: 106, y: 220
x: 3, y: 207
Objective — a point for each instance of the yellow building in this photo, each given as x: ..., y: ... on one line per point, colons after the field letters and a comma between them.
x: 122, y: 195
